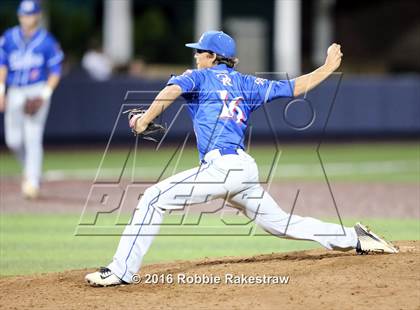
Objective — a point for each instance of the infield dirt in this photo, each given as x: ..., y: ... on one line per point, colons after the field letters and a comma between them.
x: 318, y: 279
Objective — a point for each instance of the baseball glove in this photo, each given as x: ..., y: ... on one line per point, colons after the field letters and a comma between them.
x: 32, y: 105
x: 154, y: 132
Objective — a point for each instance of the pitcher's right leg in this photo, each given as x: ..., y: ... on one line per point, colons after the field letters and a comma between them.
x: 197, y: 185
x: 138, y: 236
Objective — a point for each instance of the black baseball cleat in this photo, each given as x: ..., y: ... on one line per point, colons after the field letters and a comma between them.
x: 369, y: 242
x: 103, y: 277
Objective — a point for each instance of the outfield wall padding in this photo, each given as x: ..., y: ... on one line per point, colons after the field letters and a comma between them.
x: 84, y: 110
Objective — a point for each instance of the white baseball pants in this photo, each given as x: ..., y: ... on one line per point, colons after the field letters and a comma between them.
x: 233, y: 176
x: 24, y: 133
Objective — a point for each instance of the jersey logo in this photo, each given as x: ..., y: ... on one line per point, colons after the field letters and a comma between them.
x: 25, y: 61
x: 260, y: 81
x: 225, y: 79
x: 231, y: 109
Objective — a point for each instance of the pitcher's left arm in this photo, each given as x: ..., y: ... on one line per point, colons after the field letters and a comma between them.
x: 308, y: 81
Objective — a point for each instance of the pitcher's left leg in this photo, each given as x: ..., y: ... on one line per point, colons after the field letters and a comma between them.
x: 261, y: 207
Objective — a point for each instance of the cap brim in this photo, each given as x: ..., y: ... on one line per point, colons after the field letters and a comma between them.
x: 193, y: 45
x: 22, y: 13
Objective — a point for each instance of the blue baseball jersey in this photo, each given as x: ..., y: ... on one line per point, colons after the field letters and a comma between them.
x: 220, y: 101
x: 29, y: 60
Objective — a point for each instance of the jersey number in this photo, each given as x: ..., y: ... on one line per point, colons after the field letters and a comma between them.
x: 231, y: 109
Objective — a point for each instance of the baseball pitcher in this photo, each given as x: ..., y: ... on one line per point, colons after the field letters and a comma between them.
x: 220, y: 101
x: 30, y: 68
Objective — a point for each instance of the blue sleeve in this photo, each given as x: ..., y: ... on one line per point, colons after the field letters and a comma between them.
x: 3, y: 54
x: 189, y: 81
x: 263, y: 90
x: 280, y: 89
x: 54, y: 57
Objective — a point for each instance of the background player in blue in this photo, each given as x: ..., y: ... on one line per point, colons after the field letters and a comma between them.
x: 220, y: 101
x: 30, y: 67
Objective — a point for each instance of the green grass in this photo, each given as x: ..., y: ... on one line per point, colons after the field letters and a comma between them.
x: 352, y: 162
x: 32, y: 243
x: 46, y: 243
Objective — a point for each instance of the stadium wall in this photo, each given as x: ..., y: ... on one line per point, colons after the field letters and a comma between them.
x: 83, y: 110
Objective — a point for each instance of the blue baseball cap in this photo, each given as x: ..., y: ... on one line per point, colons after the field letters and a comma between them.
x: 29, y: 7
x: 217, y: 42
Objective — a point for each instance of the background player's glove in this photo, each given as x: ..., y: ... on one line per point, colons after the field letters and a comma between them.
x: 153, y: 132
x: 32, y: 105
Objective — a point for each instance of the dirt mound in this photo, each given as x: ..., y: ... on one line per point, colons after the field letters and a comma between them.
x: 317, y: 280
